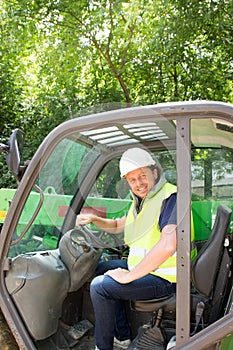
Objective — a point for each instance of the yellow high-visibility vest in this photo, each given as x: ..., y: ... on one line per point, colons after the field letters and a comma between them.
x: 142, y: 231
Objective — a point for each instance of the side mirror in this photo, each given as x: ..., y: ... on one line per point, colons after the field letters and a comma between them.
x: 14, y: 153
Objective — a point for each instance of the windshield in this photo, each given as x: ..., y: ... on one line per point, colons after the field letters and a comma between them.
x: 58, y: 180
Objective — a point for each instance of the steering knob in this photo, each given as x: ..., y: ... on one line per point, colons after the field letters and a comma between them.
x: 86, y: 247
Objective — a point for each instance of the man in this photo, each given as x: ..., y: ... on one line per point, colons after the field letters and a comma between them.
x: 150, y: 233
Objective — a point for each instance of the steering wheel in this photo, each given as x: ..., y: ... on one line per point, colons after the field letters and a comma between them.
x: 98, y: 242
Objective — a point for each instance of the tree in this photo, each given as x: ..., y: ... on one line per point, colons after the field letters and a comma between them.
x: 61, y: 58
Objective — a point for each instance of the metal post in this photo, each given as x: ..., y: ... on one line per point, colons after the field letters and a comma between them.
x: 183, y: 231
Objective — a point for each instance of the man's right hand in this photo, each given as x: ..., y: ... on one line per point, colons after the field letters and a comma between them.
x: 84, y: 219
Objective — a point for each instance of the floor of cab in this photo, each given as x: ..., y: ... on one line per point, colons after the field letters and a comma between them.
x: 87, y: 342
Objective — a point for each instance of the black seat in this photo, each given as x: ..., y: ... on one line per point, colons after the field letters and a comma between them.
x: 209, y: 272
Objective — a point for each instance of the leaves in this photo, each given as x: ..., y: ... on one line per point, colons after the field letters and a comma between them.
x: 64, y: 56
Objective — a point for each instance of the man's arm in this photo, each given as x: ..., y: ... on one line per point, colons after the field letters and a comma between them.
x: 154, y: 258
x: 108, y: 225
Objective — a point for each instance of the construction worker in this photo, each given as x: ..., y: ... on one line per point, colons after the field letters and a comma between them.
x: 150, y: 232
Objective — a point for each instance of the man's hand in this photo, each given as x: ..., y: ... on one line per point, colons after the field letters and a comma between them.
x: 84, y: 219
x: 120, y: 275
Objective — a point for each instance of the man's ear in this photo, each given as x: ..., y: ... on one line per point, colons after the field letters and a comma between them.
x: 156, y: 173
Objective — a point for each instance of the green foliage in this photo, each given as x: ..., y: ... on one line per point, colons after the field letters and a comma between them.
x: 59, y: 58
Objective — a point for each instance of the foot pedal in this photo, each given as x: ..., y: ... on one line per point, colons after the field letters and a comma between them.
x: 148, y: 339
x: 77, y: 331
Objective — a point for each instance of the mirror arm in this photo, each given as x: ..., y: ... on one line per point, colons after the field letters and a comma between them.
x: 22, y: 170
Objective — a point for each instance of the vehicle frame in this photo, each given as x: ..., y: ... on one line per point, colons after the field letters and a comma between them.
x: 183, y: 112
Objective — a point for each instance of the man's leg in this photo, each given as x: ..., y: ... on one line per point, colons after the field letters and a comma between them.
x: 104, y: 266
x: 105, y: 292
x: 122, y: 330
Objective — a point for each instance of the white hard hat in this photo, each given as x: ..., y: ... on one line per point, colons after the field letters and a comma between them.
x: 135, y: 158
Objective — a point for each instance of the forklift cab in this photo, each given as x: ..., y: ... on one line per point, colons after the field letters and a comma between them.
x: 47, y: 263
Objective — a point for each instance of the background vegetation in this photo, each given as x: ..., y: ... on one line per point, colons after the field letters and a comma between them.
x: 59, y: 58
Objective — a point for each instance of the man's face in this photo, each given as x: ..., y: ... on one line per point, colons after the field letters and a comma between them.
x: 142, y: 180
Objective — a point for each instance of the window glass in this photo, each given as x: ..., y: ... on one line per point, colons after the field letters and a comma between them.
x: 212, y: 171
x: 44, y: 211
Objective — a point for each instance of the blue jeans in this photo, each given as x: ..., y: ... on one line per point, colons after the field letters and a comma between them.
x: 108, y: 297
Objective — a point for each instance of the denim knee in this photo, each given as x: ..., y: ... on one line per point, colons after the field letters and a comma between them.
x: 96, y: 287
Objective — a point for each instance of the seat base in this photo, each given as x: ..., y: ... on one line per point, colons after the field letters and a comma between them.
x: 152, y: 305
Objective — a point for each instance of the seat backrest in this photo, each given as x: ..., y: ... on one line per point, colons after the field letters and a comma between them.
x: 206, y: 264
